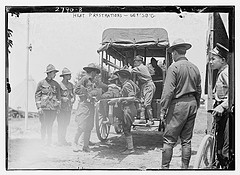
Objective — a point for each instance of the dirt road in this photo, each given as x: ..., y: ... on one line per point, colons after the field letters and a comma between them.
x: 25, y: 150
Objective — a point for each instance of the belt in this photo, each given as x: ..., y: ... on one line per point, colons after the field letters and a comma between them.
x: 186, y: 95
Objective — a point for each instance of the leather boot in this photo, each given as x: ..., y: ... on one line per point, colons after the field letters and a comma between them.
x: 130, y: 148
x: 167, y: 152
x: 186, y: 155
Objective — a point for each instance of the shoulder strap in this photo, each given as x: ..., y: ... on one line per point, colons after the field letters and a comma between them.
x: 63, y: 87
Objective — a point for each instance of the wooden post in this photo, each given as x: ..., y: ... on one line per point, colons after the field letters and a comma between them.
x: 210, y: 76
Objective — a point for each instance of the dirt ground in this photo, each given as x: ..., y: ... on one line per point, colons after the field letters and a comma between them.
x: 25, y: 150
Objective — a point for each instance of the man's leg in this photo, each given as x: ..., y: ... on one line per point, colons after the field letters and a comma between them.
x: 50, y: 120
x: 167, y: 153
x: 42, y: 119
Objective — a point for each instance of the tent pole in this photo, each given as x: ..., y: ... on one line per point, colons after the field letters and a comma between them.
x: 27, y: 72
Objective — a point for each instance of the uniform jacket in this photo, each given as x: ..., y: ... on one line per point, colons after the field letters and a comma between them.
x: 221, y: 87
x: 86, y: 89
x: 142, y: 73
x: 47, y: 95
x: 66, y: 95
x: 182, y: 78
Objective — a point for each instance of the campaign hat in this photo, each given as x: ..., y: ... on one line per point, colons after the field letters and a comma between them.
x: 179, y: 43
x: 138, y: 58
x: 123, y: 72
x: 65, y: 71
x: 51, y: 68
x: 92, y: 67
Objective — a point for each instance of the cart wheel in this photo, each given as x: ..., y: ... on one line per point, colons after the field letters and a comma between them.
x: 118, y: 128
x: 204, y: 155
x: 102, y: 128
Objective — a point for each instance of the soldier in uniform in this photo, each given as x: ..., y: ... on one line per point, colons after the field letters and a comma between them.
x: 179, y: 103
x: 67, y: 100
x: 129, y: 89
x: 218, y: 61
x: 147, y: 86
x: 48, y: 100
x: 86, y: 90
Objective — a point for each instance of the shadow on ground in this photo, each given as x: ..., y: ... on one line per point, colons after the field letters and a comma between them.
x: 143, y: 143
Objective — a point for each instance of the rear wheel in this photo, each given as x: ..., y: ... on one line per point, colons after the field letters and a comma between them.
x: 204, y: 155
x: 102, y: 127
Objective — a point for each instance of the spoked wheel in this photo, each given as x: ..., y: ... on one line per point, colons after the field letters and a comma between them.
x: 204, y: 155
x: 102, y: 128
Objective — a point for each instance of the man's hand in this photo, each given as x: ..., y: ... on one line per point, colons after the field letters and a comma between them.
x: 162, y: 116
x: 218, y: 111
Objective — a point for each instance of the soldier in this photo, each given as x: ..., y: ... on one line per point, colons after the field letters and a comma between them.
x: 113, y: 88
x: 179, y: 103
x: 67, y: 100
x: 147, y: 86
x: 129, y: 89
x: 48, y: 100
x: 218, y: 61
x: 86, y: 90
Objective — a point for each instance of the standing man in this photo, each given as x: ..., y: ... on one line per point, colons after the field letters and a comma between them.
x: 48, y: 100
x: 67, y: 100
x: 179, y: 103
x: 86, y: 89
x: 218, y: 61
x: 147, y: 86
x: 129, y: 89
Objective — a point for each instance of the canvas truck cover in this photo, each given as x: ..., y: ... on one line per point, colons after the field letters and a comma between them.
x: 120, y: 41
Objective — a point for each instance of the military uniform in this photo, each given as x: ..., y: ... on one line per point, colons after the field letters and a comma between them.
x: 86, y: 90
x: 148, y: 88
x: 221, y: 98
x: 63, y: 118
x: 129, y: 111
x: 47, y: 97
x: 179, y: 104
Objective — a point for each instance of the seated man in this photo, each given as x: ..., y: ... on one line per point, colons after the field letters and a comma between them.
x: 129, y: 89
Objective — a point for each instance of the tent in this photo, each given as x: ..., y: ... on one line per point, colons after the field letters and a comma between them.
x: 17, y: 98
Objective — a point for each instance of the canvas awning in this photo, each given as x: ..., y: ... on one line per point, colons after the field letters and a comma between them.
x: 122, y: 42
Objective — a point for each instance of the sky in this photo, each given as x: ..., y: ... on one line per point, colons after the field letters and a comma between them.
x: 68, y: 40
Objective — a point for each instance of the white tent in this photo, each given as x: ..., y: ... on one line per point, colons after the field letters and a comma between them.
x: 18, y: 96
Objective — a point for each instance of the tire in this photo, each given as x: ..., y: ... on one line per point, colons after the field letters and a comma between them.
x: 102, y: 129
x: 204, y: 155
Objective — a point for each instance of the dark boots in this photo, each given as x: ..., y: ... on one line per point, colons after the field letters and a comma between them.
x: 167, y: 152
x: 186, y: 155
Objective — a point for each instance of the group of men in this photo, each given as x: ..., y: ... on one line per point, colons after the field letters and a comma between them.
x: 180, y: 101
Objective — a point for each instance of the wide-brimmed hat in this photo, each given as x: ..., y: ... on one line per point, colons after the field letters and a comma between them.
x: 113, y: 77
x: 124, y: 72
x: 138, y: 58
x: 51, y: 68
x: 179, y: 43
x: 220, y: 50
x: 65, y: 71
x: 92, y: 67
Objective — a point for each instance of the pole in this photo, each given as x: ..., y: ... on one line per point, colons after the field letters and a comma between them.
x: 210, y: 75
x: 27, y: 72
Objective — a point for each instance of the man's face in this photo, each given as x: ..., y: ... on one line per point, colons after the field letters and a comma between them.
x: 174, y: 55
x: 137, y: 63
x: 216, y: 62
x: 68, y: 76
x: 52, y: 74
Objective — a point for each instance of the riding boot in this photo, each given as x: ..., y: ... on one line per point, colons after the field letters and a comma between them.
x: 167, y: 152
x: 186, y: 155
x: 130, y: 148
